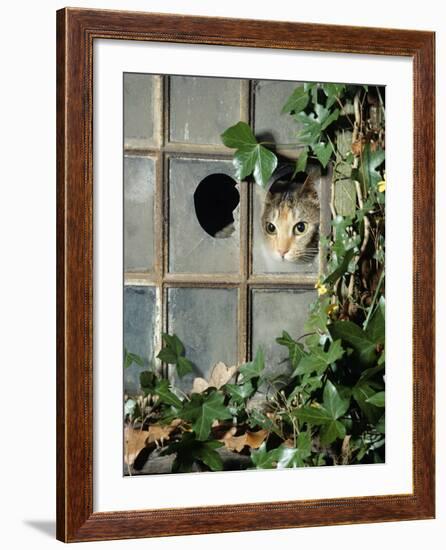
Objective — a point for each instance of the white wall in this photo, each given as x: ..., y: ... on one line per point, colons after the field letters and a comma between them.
x: 27, y: 215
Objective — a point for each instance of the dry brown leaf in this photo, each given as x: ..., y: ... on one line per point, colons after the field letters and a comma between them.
x: 135, y: 440
x: 159, y: 432
x: 255, y: 439
x: 250, y: 439
x: 200, y: 385
x: 220, y: 375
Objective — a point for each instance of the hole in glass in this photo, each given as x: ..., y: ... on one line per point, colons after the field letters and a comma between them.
x: 215, y: 199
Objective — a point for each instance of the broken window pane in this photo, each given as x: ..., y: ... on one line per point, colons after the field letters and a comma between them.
x: 202, y: 108
x: 191, y: 248
x: 139, y: 184
x: 205, y: 320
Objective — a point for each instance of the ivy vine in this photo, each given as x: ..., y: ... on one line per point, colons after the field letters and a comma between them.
x: 330, y: 409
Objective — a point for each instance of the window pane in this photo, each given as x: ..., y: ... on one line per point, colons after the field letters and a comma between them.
x: 139, y: 110
x: 139, y: 322
x: 269, y: 98
x: 202, y: 108
x: 274, y: 311
x: 205, y: 320
x: 265, y: 256
x: 139, y: 183
x: 191, y: 248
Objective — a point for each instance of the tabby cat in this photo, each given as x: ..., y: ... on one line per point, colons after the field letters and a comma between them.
x: 290, y: 221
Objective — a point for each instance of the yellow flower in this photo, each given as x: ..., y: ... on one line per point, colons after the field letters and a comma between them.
x: 332, y: 309
x: 382, y: 185
x: 321, y: 288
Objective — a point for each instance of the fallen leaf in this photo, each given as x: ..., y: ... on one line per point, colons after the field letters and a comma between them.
x: 158, y: 432
x: 250, y: 439
x: 135, y: 440
x: 220, y: 375
x: 255, y: 439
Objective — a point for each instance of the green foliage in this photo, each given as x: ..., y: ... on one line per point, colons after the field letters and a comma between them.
x: 297, y: 101
x: 254, y: 368
x: 189, y: 451
x: 250, y: 156
x: 130, y: 358
x: 202, y: 410
x: 330, y: 408
x: 327, y: 414
x: 173, y: 354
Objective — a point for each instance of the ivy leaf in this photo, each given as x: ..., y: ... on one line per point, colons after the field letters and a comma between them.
x: 327, y: 415
x: 361, y: 393
x: 184, y: 366
x: 167, y: 355
x: 254, y: 368
x: 317, y: 360
x: 250, y: 157
x: 257, y: 160
x: 368, y: 173
x: 358, y: 339
x: 315, y: 415
x: 166, y: 396
x: 376, y: 329
x: 202, y: 410
x: 333, y: 92
x: 174, y: 343
x: 323, y: 152
x: 332, y: 431
x: 173, y: 354
x: 147, y: 381
x: 261, y: 458
x: 315, y: 123
x: 333, y: 402
x: 342, y: 269
x: 130, y: 358
x: 295, y: 349
x: 297, y: 101
x: 238, y: 136
x: 378, y: 399
x: 189, y: 450
x: 239, y: 392
x: 301, y: 163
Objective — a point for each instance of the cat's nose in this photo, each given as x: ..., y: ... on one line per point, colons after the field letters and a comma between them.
x: 283, y: 252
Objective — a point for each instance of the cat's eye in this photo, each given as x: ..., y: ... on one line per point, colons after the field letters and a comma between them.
x: 270, y: 228
x: 300, y: 228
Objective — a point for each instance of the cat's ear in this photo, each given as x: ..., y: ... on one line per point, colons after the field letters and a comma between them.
x: 309, y: 190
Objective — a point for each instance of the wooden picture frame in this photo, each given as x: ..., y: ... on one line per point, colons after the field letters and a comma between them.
x: 76, y: 31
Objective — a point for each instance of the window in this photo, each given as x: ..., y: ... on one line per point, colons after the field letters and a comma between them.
x: 216, y: 292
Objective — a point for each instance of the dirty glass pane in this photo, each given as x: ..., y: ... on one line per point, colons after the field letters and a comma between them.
x: 191, y: 248
x: 139, y: 321
x: 139, y: 109
x: 265, y: 260
x: 269, y: 97
x: 205, y: 320
x: 202, y: 108
x: 274, y: 311
x: 139, y: 183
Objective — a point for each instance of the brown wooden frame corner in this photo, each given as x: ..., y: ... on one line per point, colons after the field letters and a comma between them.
x: 76, y: 31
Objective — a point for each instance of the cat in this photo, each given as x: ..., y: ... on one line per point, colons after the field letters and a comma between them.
x: 290, y: 222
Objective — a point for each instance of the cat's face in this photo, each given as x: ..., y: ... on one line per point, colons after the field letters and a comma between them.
x: 290, y: 223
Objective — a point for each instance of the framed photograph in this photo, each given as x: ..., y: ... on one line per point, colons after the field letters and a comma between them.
x: 245, y: 275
